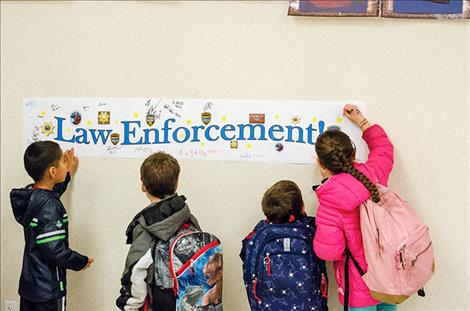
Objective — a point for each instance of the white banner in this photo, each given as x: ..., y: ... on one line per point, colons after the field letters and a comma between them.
x: 202, y: 129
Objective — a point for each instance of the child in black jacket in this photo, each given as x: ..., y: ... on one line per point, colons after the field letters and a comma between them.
x: 38, y: 209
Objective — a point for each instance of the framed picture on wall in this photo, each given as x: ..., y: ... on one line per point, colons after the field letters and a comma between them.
x: 448, y: 9
x: 334, y: 7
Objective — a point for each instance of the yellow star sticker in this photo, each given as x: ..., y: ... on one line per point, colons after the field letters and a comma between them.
x: 181, y: 135
x: 136, y: 115
x: 47, y: 128
x: 104, y: 117
x: 68, y: 130
x: 224, y: 118
x: 188, y: 122
x: 276, y: 117
x: 248, y: 146
x: 314, y: 119
x: 43, y: 113
x: 202, y: 144
x: 339, y: 119
x: 88, y: 122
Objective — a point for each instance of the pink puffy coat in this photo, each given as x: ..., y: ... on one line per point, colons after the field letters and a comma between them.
x: 337, y: 219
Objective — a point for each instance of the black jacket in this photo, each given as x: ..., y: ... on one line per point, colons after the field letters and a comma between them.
x: 46, y: 254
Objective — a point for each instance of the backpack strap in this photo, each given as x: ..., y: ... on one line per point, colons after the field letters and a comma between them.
x: 346, y: 276
x: 358, y: 267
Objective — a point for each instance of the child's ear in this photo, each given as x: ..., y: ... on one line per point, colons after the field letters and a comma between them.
x: 142, y: 187
x: 51, y: 171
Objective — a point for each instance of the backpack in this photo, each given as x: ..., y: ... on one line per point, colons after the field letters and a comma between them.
x: 280, y: 268
x: 397, y: 246
x: 194, y: 264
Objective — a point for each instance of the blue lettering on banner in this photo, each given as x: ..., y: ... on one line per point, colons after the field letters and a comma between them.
x: 133, y: 133
x: 128, y: 132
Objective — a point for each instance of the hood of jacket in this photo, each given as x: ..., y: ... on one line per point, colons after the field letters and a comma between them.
x: 164, y: 218
x: 21, y: 200
x: 342, y: 191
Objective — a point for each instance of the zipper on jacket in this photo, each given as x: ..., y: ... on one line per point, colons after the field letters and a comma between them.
x: 61, y: 284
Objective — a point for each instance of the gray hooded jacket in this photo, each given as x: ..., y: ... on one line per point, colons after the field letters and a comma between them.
x: 153, y: 226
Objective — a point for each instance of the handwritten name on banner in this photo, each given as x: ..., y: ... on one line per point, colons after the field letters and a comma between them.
x: 206, y: 129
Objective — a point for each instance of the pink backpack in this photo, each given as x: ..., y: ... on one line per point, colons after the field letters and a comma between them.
x: 397, y: 246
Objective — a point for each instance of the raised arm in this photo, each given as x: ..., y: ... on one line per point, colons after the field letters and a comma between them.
x: 381, y: 154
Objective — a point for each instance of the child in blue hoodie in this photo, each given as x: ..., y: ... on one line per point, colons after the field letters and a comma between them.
x: 38, y: 209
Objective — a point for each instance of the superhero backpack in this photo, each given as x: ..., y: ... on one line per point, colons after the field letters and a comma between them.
x: 281, y: 271
x: 397, y: 246
x: 195, y: 262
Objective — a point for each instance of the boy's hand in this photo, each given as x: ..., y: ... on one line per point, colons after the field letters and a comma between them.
x: 90, y: 261
x: 71, y: 160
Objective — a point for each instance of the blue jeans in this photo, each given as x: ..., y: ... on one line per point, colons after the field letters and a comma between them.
x: 380, y: 307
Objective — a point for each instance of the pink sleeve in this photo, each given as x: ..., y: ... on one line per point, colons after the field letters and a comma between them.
x: 380, y: 158
x: 329, y: 242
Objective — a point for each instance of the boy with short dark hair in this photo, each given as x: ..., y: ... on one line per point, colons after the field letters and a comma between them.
x: 37, y: 207
x: 147, y: 280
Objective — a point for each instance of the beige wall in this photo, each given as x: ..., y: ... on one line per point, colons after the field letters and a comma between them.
x: 414, y: 76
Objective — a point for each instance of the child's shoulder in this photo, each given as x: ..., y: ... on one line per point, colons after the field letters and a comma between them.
x: 46, y: 200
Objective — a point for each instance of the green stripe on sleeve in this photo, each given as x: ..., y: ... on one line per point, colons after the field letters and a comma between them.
x: 61, y: 286
x: 54, y: 238
x: 33, y: 224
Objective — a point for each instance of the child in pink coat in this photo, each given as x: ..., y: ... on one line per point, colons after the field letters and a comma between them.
x: 346, y: 185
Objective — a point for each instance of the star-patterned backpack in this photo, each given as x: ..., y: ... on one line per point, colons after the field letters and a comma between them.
x: 280, y: 269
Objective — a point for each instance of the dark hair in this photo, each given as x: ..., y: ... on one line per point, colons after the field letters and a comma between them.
x: 336, y: 152
x: 39, y: 156
x: 281, y: 201
x: 159, y: 173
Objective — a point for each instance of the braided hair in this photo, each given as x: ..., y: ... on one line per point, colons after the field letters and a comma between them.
x: 336, y: 152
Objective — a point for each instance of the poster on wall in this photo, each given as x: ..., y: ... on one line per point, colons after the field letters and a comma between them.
x: 200, y: 129
x: 444, y: 9
x: 334, y: 7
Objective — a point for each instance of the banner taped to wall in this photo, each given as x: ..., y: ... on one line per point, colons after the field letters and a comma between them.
x: 202, y: 129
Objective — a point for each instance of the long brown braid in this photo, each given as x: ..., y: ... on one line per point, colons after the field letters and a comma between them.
x: 336, y: 152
